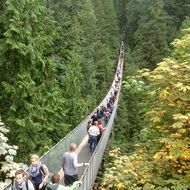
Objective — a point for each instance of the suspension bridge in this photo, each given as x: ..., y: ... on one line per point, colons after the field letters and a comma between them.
x: 87, y: 175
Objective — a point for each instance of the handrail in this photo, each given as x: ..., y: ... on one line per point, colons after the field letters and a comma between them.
x: 89, y: 176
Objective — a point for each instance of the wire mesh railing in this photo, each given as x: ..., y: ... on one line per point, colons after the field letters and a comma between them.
x: 89, y: 176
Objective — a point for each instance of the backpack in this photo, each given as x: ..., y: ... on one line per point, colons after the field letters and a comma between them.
x: 42, y: 170
x: 39, y: 176
x: 26, y: 182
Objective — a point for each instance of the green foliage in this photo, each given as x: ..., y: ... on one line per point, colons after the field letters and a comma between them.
x: 74, y: 102
x: 34, y: 104
x: 161, y: 158
x: 107, y: 44
x: 133, y: 12
x: 88, y: 37
x: 186, y: 23
x: 51, y: 67
x: 149, y: 31
x: 120, y: 9
x: 150, y: 28
x: 75, y: 63
x: 128, y: 122
x: 151, y: 35
x: 177, y: 10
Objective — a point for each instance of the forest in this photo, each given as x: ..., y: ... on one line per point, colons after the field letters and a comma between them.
x: 57, y: 61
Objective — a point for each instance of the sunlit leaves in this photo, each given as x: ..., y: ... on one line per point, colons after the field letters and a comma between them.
x: 161, y: 160
x: 173, y: 83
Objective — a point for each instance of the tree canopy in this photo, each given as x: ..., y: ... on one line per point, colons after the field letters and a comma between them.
x: 57, y: 61
x: 161, y: 157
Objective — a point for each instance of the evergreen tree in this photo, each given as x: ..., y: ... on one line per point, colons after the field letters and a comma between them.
x: 177, y: 10
x: 89, y: 68
x: 186, y: 23
x: 85, y: 34
x: 76, y: 66
x: 107, y: 46
x: 120, y: 10
x: 151, y: 35
x: 32, y: 105
x: 133, y: 13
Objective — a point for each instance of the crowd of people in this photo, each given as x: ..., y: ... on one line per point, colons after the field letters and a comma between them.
x: 37, y: 176
x: 98, y: 121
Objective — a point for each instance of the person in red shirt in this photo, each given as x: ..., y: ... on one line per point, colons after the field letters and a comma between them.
x: 101, y: 129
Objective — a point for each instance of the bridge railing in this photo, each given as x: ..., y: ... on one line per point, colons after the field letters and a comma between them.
x: 53, y: 158
x: 89, y: 176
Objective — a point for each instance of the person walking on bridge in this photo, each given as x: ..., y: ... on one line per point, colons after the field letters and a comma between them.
x: 21, y: 181
x: 93, y: 132
x: 56, y: 186
x: 70, y: 165
x: 38, y: 173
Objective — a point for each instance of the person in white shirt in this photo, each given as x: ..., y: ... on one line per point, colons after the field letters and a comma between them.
x: 93, y: 132
x: 70, y: 165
